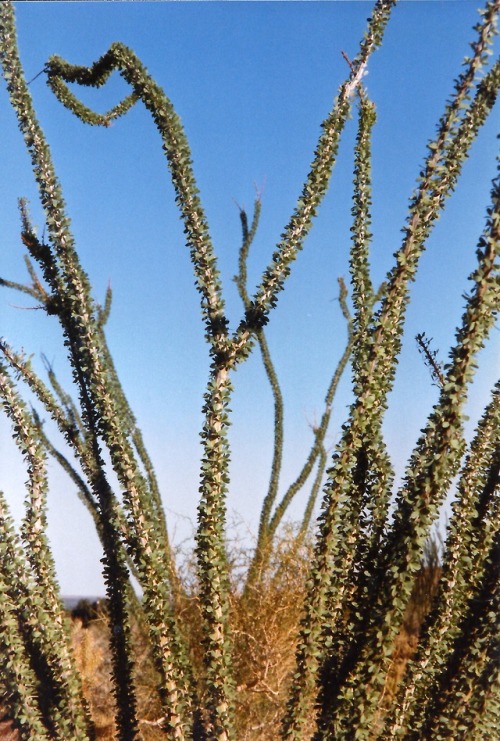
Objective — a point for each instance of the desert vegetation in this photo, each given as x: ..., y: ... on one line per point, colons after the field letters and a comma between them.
x: 347, y: 627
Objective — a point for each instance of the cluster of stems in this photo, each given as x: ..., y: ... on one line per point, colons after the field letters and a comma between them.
x: 370, y: 541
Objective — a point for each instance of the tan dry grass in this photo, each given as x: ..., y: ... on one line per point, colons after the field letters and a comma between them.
x: 90, y: 639
x: 266, y: 627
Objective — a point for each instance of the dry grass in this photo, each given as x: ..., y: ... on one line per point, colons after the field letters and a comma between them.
x: 266, y: 625
x: 90, y: 645
x: 90, y: 636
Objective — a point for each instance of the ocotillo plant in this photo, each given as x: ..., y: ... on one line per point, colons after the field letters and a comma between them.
x: 369, y: 544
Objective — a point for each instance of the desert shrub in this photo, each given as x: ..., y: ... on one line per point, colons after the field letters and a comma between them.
x: 345, y: 633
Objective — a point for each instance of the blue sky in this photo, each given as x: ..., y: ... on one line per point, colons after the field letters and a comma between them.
x: 252, y: 82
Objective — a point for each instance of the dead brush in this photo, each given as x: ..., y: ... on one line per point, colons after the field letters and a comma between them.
x: 90, y: 640
x: 266, y: 622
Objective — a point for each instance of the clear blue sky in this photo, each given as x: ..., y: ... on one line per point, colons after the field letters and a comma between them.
x: 252, y: 82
